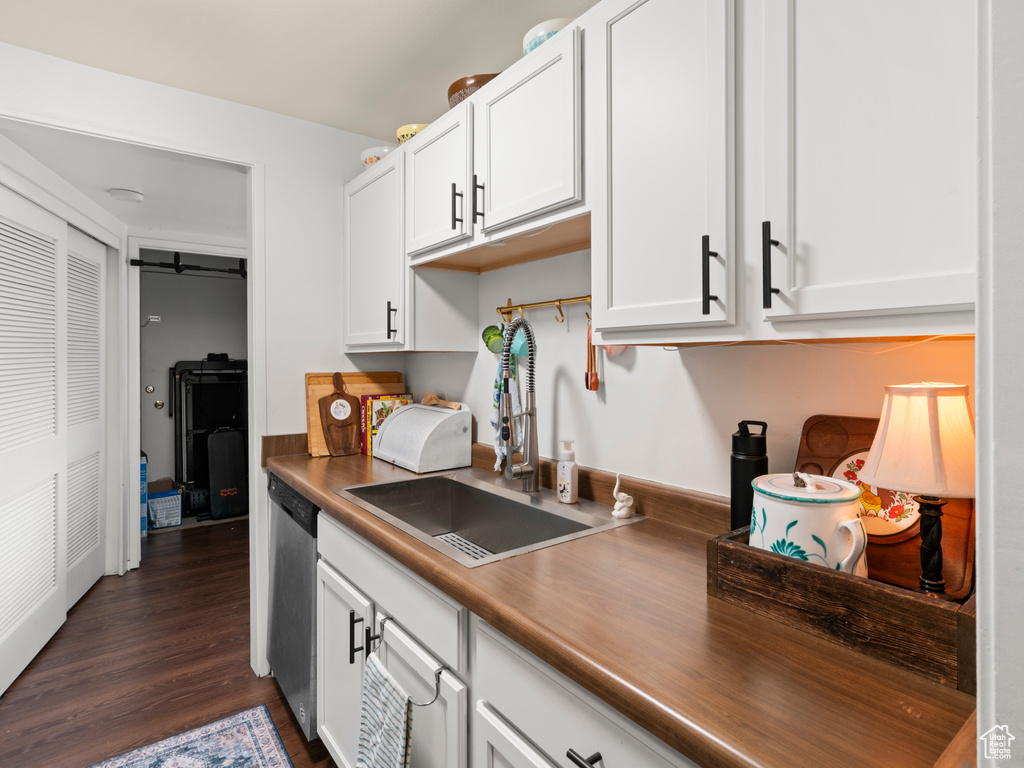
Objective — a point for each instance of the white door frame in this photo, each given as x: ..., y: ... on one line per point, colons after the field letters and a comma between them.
x: 256, y: 305
x: 169, y: 243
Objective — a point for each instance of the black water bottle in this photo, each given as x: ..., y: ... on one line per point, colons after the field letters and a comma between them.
x: 749, y: 460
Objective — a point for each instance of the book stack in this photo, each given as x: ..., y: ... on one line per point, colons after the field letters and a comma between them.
x: 374, y: 409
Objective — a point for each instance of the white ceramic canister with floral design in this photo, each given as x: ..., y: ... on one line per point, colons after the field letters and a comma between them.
x: 811, y: 518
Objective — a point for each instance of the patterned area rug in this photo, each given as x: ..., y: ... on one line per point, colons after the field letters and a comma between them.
x: 246, y: 740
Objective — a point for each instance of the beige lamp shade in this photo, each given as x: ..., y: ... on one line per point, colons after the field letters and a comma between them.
x: 925, y: 441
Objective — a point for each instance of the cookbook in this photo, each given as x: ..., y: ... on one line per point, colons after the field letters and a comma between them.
x: 374, y: 409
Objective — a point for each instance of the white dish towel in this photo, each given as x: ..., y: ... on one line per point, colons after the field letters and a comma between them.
x: 385, y: 723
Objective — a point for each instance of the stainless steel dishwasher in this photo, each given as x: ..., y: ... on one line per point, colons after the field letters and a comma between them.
x: 291, y: 646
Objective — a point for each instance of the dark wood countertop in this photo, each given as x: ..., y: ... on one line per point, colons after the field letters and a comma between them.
x: 625, y: 614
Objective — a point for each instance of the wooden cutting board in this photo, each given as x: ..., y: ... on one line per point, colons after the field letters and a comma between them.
x: 357, y: 383
x: 830, y: 444
x: 341, y: 419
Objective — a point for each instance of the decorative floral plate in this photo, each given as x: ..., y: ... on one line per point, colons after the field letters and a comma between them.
x: 884, y: 512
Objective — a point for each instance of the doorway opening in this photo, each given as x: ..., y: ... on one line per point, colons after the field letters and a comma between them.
x: 193, y: 385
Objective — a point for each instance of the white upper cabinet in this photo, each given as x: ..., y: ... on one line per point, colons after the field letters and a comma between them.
x: 375, y: 264
x: 659, y: 162
x: 438, y: 183
x: 871, y: 156
x: 527, y: 128
x: 389, y: 307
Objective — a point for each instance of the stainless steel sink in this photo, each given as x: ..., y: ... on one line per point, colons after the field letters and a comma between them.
x: 475, y: 517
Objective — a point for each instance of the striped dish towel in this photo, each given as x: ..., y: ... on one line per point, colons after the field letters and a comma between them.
x: 385, y: 724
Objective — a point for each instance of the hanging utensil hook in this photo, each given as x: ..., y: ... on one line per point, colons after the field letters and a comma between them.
x: 560, y: 317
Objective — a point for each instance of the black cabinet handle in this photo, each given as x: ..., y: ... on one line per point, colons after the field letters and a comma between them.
x: 581, y: 761
x: 391, y: 331
x: 477, y: 186
x: 706, y: 254
x: 766, y: 264
x: 455, y: 219
x: 352, y: 621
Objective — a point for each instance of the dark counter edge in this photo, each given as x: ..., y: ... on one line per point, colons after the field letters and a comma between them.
x: 704, y: 513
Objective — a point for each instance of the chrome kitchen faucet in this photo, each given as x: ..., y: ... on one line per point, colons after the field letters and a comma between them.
x: 529, y: 469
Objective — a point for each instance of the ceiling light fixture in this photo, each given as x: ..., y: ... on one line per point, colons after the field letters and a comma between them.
x: 126, y: 195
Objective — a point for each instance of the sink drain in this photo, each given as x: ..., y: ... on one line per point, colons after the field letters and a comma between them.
x: 463, y: 545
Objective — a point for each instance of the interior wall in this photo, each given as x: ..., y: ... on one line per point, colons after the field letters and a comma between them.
x: 667, y: 414
x: 200, y: 313
x: 304, y: 166
x: 297, y: 175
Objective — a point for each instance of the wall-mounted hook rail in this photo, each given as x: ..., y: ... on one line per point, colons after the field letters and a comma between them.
x: 506, y: 312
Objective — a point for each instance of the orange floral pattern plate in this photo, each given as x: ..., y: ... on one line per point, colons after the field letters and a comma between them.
x: 884, y: 512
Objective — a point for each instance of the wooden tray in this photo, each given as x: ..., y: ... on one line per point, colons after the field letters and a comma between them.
x: 912, y: 630
x: 829, y: 442
x: 356, y: 383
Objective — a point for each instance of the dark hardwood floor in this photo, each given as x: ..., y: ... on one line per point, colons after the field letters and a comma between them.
x: 144, y: 656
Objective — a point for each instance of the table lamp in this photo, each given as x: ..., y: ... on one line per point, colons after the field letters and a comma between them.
x: 925, y: 445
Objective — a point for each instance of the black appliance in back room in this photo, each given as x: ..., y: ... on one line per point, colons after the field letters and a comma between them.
x: 209, y: 406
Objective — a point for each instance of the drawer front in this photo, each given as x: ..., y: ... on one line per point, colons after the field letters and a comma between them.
x: 430, y: 617
x: 554, y: 715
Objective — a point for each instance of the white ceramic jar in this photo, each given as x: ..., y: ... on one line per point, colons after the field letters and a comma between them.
x: 819, y: 523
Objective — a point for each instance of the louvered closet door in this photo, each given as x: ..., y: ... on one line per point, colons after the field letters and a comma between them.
x: 33, y: 442
x: 85, y: 412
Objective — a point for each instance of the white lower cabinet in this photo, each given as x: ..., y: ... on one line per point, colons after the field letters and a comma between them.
x: 439, y: 716
x: 339, y: 674
x: 527, y: 715
x: 497, y: 744
x: 418, y: 633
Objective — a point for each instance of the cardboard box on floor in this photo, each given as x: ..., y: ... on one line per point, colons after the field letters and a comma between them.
x: 164, y: 503
x: 143, y: 492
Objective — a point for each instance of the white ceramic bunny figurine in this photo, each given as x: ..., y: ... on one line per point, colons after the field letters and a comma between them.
x: 623, y: 502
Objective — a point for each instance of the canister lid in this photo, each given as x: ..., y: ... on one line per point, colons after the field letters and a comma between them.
x: 818, y: 490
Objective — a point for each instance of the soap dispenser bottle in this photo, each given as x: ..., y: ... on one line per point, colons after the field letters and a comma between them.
x: 568, y: 474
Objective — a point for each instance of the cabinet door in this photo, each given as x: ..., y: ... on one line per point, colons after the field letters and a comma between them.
x: 375, y: 265
x: 527, y: 135
x: 496, y: 744
x: 659, y: 159
x: 439, y: 729
x: 871, y: 155
x: 338, y: 682
x: 438, y: 183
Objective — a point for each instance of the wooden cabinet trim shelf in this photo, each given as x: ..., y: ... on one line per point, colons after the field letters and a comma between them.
x: 518, y: 247
x: 624, y: 614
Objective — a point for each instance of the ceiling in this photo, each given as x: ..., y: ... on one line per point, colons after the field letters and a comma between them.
x: 359, y: 65
x: 183, y: 193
